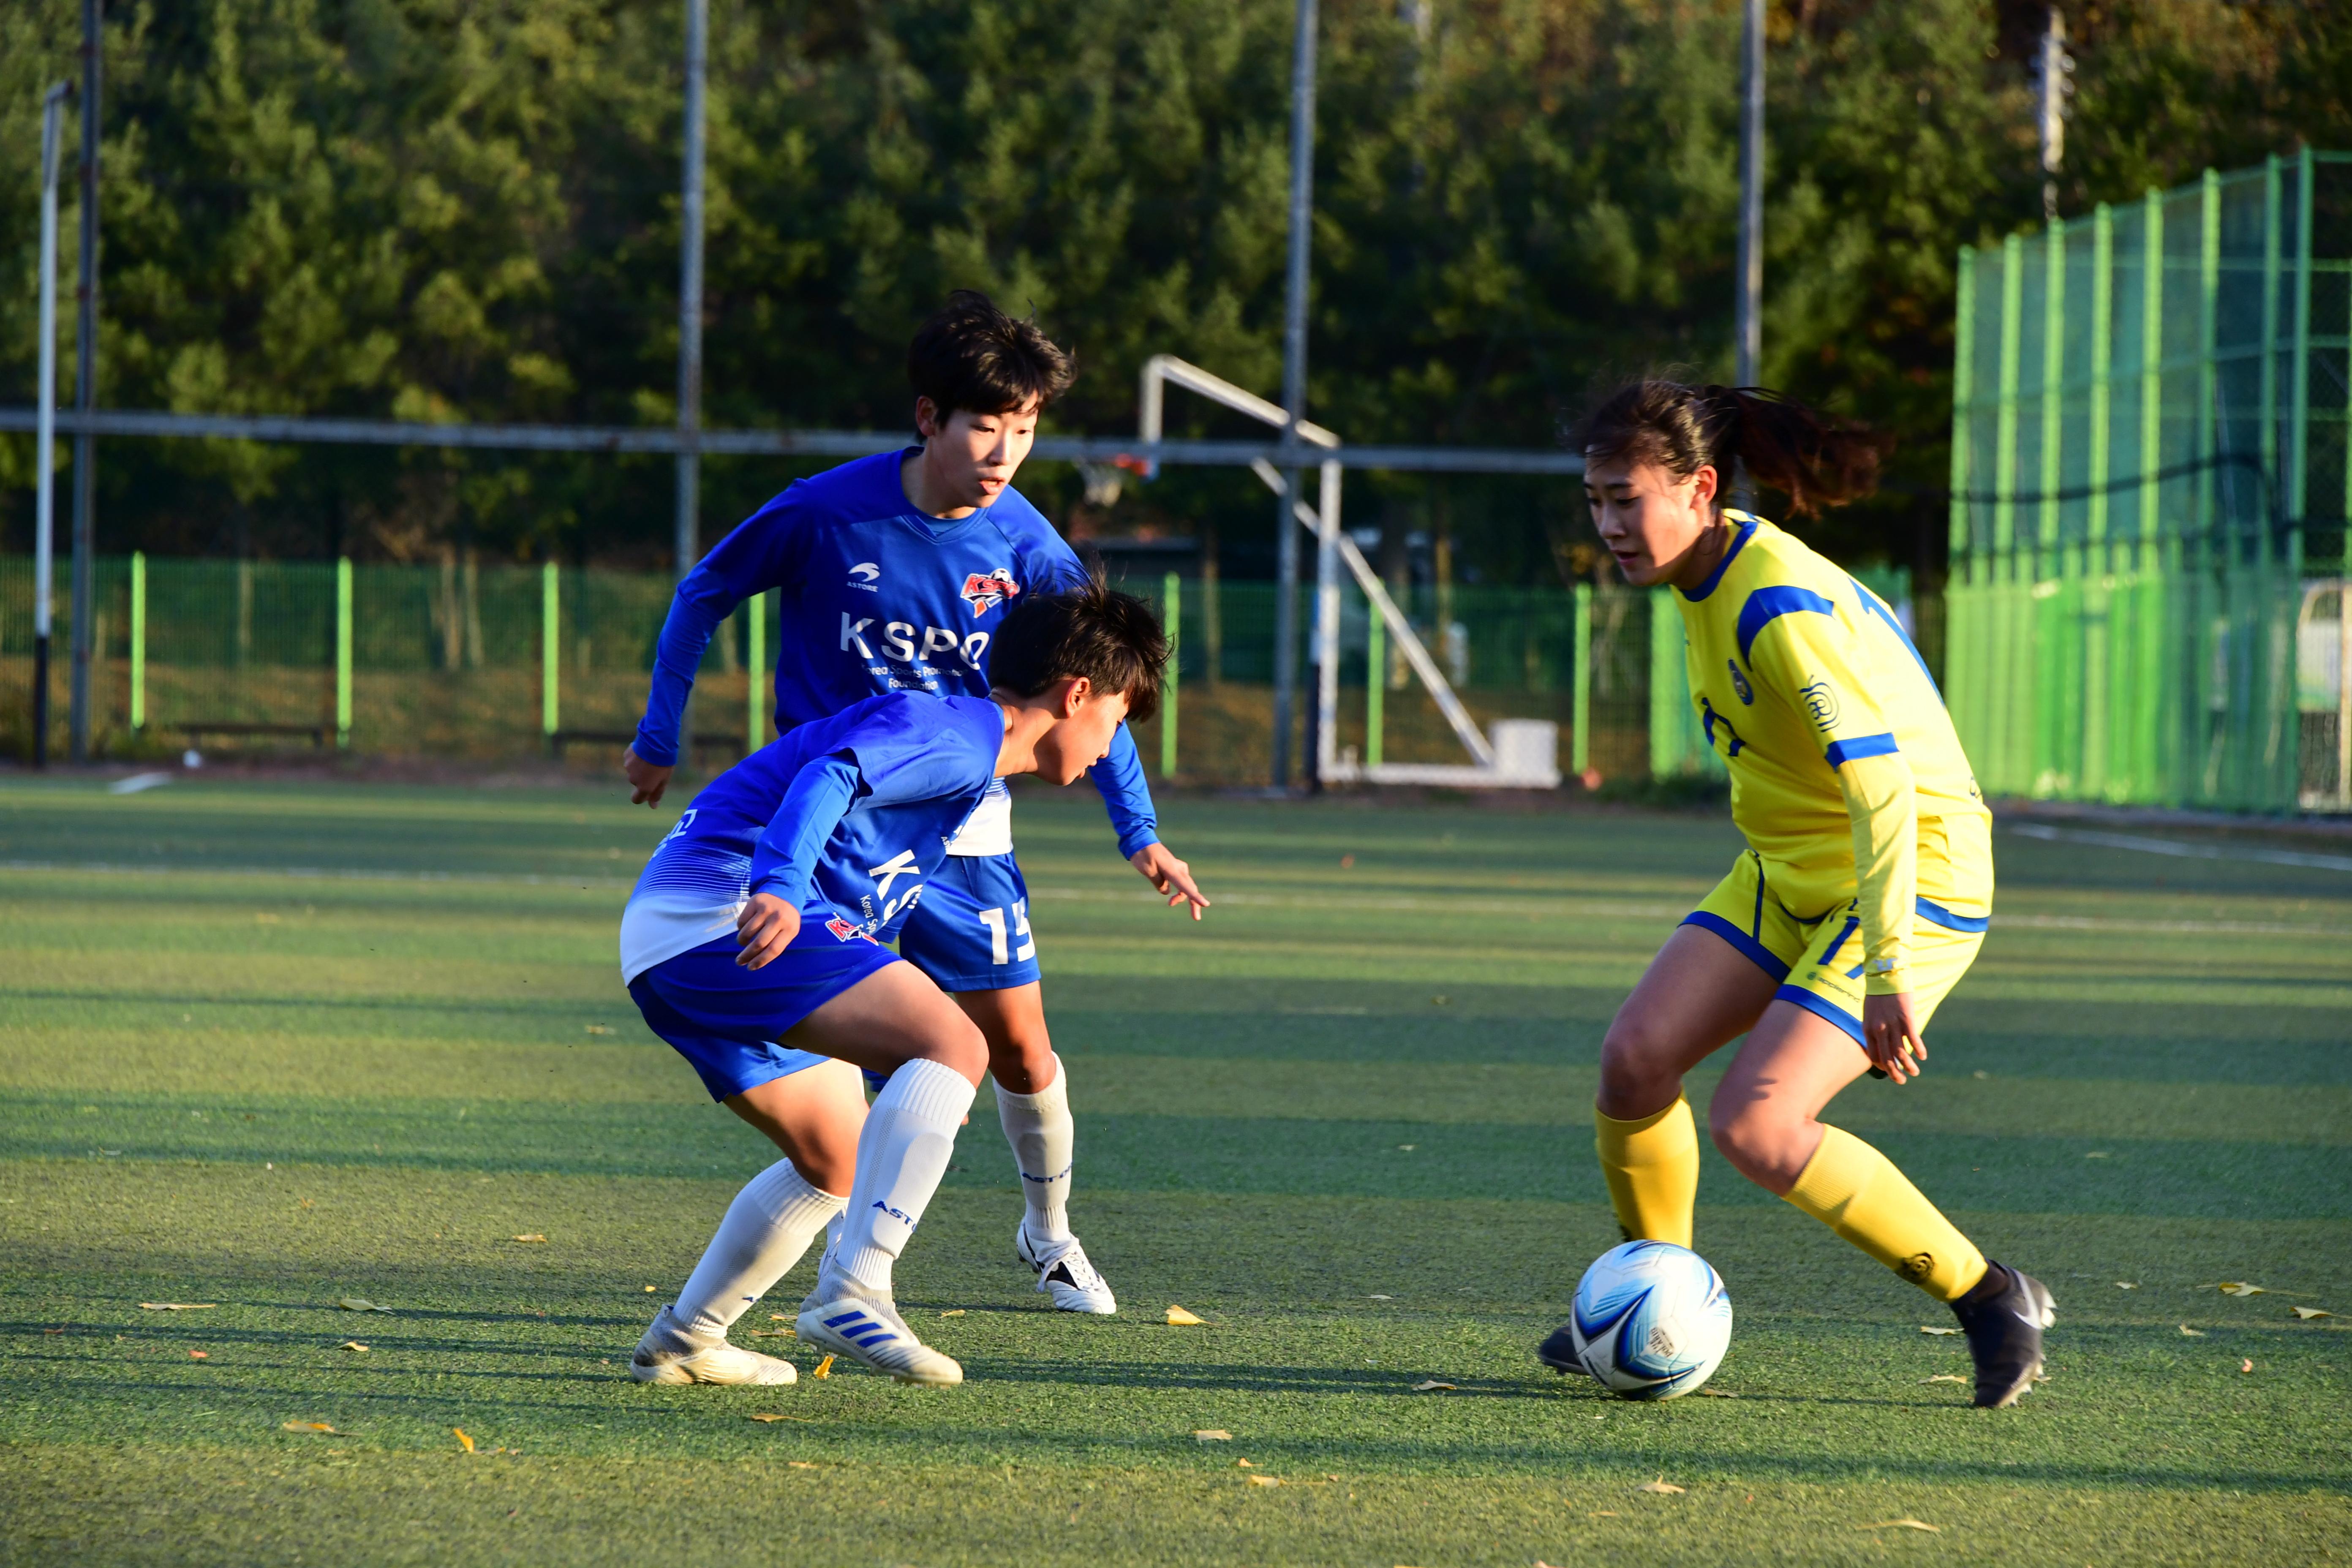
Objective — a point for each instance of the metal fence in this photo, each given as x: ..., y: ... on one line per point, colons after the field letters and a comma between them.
x: 2151, y: 480
x: 457, y: 659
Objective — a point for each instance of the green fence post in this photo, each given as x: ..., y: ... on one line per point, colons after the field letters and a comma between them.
x: 2161, y: 764
x: 2054, y: 376
x: 2004, y: 483
x: 755, y: 669
x: 550, y: 651
x: 343, y: 651
x: 138, y: 640
x: 2151, y: 367
x: 1669, y: 685
x: 1172, y: 588
x: 1964, y: 340
x: 2270, y: 259
x: 1376, y: 685
x: 2209, y: 339
x: 1580, y: 731
x: 2299, y: 390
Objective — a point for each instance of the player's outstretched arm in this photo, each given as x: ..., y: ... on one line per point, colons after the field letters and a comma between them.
x: 1127, y: 798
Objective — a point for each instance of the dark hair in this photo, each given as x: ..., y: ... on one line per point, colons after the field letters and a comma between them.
x: 972, y: 355
x: 1816, y: 460
x: 1111, y: 638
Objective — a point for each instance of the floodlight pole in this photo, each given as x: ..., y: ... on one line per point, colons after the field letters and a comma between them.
x: 1747, y: 328
x: 85, y: 521
x: 687, y: 545
x: 1294, y: 383
x: 45, y: 438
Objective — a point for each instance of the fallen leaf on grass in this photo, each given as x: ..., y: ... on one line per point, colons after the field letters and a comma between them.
x: 1263, y: 1480
x: 176, y: 1306
x: 773, y: 1317
x: 2127, y: 1284
x: 1661, y: 1486
x: 2235, y: 1287
x: 824, y: 1369
x: 1179, y: 1318
x: 2307, y: 1313
x: 1944, y: 1377
x: 772, y: 1416
x: 1383, y: 1297
x: 953, y: 1312
x: 1718, y: 1394
x: 599, y: 1029
x: 775, y: 1334
x: 359, y: 1304
x: 2097, y: 1154
x: 200, y: 1355
x: 801, y: 1464
x: 352, y: 1345
x: 308, y: 1427
x: 1938, y: 1333
x: 2245, y: 1366
x: 1903, y: 1524
x: 463, y: 1441
x: 533, y: 1237
x: 1213, y: 1434
x: 1432, y: 1386
x: 1245, y: 1464
x: 1605, y: 1513
x: 2193, y: 1334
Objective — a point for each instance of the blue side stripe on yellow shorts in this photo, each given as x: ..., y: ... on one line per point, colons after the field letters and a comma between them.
x: 1822, y: 1008
x: 1755, y: 951
x: 1937, y: 914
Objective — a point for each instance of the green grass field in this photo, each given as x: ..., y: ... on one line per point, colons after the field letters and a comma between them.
x: 268, y: 1045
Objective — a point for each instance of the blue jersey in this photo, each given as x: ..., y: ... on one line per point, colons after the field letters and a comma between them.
x: 847, y: 818
x: 876, y: 596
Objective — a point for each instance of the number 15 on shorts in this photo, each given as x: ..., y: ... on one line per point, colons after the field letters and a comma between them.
x: 1000, y: 939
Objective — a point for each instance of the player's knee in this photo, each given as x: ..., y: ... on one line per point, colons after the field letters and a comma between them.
x: 1756, y: 1136
x: 958, y: 1044
x: 1636, y: 1064
x: 1022, y: 1058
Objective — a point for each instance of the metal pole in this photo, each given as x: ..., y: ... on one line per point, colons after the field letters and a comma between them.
x: 2052, y: 65
x: 550, y: 650
x: 687, y: 546
x: 1326, y: 751
x: 44, y: 442
x: 1748, y: 329
x: 1294, y: 384
x: 85, y: 524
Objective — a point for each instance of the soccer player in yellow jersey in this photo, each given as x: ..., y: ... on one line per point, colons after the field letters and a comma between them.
x: 1868, y: 882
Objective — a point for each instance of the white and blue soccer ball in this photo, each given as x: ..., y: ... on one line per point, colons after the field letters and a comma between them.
x: 1652, y: 1320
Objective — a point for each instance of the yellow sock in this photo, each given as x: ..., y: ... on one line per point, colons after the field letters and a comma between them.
x: 1653, y: 1170
x: 1856, y: 1191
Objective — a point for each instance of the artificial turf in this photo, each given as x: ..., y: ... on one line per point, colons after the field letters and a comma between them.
x: 270, y: 1045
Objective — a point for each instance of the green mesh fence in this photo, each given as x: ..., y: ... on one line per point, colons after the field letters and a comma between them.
x: 2151, y: 483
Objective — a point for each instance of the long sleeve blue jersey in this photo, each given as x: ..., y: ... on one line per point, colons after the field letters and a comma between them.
x: 876, y: 597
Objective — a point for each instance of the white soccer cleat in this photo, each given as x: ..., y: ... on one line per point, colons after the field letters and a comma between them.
x: 868, y: 1330
x: 669, y: 1355
x: 1064, y: 1274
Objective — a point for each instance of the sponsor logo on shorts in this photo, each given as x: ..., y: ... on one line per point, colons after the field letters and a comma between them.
x: 983, y: 594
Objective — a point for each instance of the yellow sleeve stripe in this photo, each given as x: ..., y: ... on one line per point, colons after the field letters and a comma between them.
x: 1843, y: 751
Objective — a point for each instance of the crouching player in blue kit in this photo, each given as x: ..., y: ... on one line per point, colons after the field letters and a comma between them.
x: 753, y: 944
x: 892, y: 573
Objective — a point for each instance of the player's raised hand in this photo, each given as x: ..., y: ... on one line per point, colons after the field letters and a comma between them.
x: 1890, y: 1036
x: 764, y: 928
x: 647, y: 780
x: 1170, y: 876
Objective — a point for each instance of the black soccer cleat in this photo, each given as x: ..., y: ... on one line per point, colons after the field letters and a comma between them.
x: 1558, y: 1351
x: 2003, y: 1318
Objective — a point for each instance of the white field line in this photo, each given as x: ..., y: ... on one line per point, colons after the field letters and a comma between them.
x: 1392, y: 904
x: 2174, y: 847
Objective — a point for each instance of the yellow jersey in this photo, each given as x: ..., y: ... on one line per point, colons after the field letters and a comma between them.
x: 1847, y: 778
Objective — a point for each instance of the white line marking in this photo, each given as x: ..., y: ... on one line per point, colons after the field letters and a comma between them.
x: 138, y: 782
x: 2184, y: 851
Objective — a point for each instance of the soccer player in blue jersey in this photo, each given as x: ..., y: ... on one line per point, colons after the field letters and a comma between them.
x: 753, y: 943
x: 893, y: 573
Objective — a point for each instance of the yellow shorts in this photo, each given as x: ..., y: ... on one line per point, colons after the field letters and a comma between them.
x: 1818, y: 958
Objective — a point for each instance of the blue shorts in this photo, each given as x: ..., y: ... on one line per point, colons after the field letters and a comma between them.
x: 971, y: 930
x: 725, y: 1019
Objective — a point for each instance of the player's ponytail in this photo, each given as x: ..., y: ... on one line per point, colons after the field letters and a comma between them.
x: 1816, y: 460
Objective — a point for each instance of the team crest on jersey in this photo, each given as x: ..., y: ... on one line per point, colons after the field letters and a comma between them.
x: 1739, y: 683
x: 983, y: 594
x: 842, y: 929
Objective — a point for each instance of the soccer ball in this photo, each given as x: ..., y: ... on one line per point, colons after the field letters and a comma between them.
x: 1652, y: 1320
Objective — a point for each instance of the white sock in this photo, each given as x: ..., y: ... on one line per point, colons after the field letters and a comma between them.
x: 768, y: 1227
x: 1039, y: 1128
x: 910, y: 1132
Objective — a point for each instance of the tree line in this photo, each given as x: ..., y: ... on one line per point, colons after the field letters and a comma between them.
x: 453, y: 210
